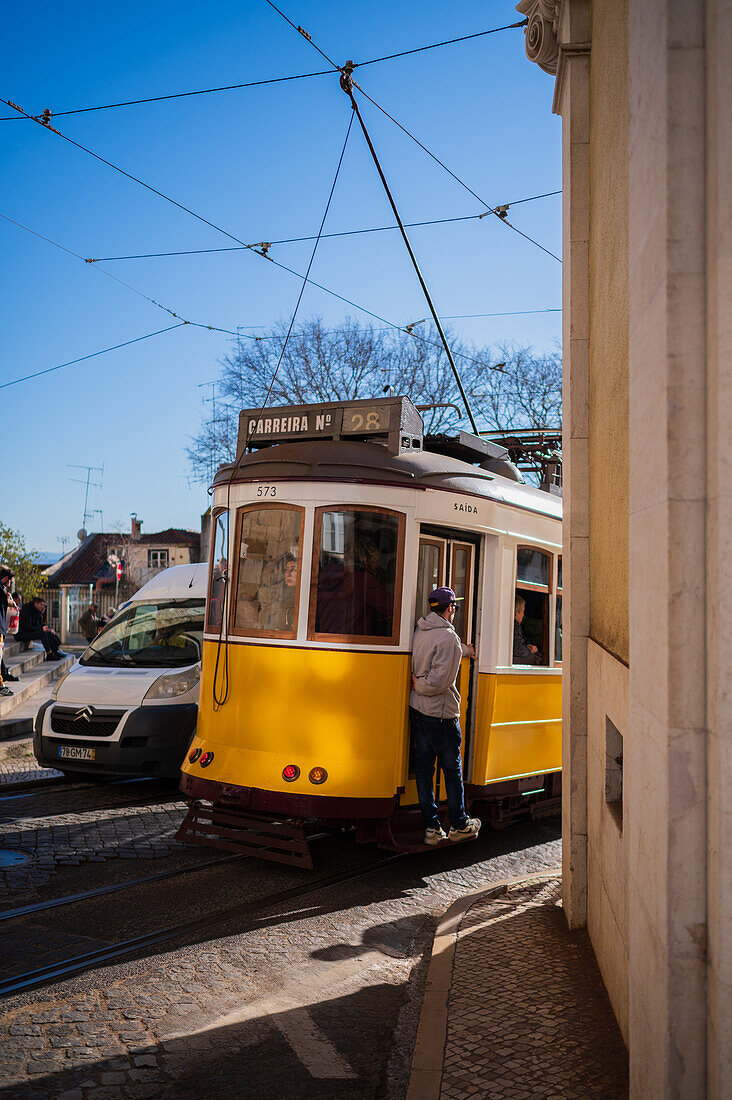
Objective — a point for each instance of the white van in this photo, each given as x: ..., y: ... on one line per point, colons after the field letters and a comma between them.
x: 129, y: 706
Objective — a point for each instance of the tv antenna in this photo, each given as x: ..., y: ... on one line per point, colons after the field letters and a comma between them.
x: 63, y: 539
x: 87, y: 481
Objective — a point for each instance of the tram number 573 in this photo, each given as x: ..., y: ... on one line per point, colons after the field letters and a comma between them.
x: 266, y: 490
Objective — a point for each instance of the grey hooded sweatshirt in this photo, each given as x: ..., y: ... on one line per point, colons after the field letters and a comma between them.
x: 436, y: 653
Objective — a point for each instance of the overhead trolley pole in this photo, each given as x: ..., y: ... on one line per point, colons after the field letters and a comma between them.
x: 347, y: 84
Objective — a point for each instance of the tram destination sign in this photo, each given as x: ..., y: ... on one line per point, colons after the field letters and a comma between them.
x: 392, y: 421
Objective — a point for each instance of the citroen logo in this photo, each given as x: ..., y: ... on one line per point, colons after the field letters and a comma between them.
x: 86, y: 713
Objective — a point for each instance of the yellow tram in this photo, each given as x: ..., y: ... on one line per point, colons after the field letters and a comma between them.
x: 328, y: 532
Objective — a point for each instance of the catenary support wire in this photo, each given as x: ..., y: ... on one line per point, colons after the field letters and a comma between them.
x: 257, y: 250
x: 92, y: 355
x: 326, y: 236
x: 347, y: 86
x: 47, y: 114
x: 496, y: 210
x: 129, y: 286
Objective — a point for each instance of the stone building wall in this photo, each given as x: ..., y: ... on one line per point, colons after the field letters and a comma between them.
x: 644, y: 88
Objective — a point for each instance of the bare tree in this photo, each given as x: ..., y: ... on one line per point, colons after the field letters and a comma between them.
x: 352, y: 362
x: 526, y: 394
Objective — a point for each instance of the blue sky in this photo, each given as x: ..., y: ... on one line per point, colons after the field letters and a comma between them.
x: 258, y: 162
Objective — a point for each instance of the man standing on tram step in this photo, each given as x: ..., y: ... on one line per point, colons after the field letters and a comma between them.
x: 434, y: 709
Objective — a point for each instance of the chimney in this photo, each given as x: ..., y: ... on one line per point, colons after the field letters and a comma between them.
x: 135, y: 527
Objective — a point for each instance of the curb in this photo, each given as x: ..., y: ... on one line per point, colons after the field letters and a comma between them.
x: 425, y: 1079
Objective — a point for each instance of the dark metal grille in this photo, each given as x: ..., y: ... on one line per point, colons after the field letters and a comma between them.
x: 69, y: 720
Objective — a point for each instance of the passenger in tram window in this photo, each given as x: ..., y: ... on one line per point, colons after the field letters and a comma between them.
x: 434, y: 709
x: 277, y: 601
x: 523, y: 652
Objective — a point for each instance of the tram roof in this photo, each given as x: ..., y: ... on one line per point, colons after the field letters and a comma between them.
x: 351, y: 461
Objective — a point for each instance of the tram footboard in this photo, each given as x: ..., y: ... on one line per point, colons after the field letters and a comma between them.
x: 258, y: 835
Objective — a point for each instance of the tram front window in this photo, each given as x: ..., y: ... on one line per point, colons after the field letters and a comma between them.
x: 268, y: 571
x: 358, y: 555
x: 219, y: 571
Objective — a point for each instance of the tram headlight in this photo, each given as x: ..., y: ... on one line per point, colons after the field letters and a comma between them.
x: 172, y: 684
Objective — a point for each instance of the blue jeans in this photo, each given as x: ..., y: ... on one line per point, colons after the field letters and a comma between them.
x: 438, y: 739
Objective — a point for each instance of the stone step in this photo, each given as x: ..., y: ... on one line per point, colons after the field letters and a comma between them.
x: 30, y: 684
x: 19, y: 663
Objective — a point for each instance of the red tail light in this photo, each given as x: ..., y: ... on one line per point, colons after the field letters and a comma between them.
x: 206, y: 759
x: 193, y: 757
x: 290, y: 773
x: 318, y: 775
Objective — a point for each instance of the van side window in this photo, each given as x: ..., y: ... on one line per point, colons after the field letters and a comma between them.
x: 267, y: 570
x: 356, y: 588
x: 218, y: 574
x: 531, y: 606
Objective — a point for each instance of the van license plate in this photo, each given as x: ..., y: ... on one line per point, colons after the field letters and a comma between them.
x: 76, y: 752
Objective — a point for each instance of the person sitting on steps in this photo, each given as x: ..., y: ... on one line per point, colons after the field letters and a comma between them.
x: 33, y: 629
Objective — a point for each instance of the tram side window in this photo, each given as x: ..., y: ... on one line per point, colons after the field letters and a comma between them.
x: 531, y: 607
x: 267, y: 581
x: 219, y: 571
x: 558, y: 619
x: 357, y: 568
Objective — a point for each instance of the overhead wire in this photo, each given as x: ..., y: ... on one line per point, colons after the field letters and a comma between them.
x: 489, y: 209
x: 172, y: 95
x: 116, y: 167
x: 351, y: 66
x: 48, y: 114
x: 92, y: 355
x: 435, y: 45
x: 129, y: 286
x: 326, y: 236
x: 257, y: 251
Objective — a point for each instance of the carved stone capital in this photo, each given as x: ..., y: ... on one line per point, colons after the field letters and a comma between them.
x: 541, y: 32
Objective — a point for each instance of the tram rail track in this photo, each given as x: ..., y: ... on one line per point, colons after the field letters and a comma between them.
x: 111, y: 888
x: 78, y: 964
x: 43, y: 786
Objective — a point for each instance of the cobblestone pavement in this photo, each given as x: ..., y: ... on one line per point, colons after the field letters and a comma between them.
x: 60, y: 827
x: 528, y: 1016
x: 21, y: 769
x: 319, y: 997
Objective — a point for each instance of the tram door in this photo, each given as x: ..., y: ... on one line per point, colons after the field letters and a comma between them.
x: 452, y: 562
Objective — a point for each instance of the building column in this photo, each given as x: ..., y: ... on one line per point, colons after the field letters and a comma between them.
x: 719, y: 546
x: 665, y: 758
x: 558, y: 40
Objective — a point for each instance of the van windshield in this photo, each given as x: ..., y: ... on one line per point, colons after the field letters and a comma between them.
x: 160, y: 634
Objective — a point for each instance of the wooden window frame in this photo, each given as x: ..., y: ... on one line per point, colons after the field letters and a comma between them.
x: 455, y: 544
x: 557, y: 596
x: 357, y: 639
x: 441, y: 546
x: 531, y: 586
x: 208, y: 628
x: 253, y: 632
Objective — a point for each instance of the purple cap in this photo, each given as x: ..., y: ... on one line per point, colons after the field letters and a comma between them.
x: 441, y: 597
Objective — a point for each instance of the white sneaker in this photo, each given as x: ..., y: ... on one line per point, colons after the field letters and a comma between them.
x: 434, y: 835
x: 469, y: 831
